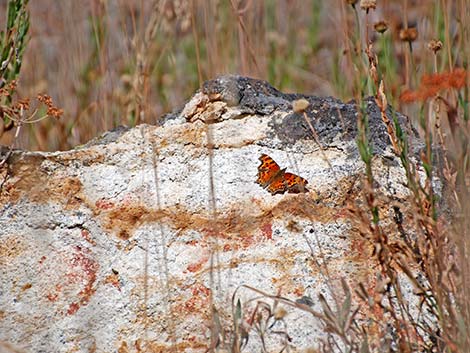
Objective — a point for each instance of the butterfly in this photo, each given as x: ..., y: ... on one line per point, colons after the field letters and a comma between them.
x: 276, y: 180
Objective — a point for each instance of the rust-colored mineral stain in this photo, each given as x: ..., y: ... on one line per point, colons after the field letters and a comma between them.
x: 199, y: 299
x: 87, y: 269
x: 267, y: 231
x: 361, y: 249
x: 304, y: 206
x: 124, y: 234
x: 104, y: 204
x: 184, y: 345
x: 194, y: 267
x: 343, y: 212
x: 24, y: 177
x: 26, y: 287
x: 113, y: 279
x: 201, y: 289
x: 197, y: 266
x: 299, y: 291
x: 66, y: 191
x: 10, y: 248
x: 52, y: 297
x: 236, y: 229
x: 123, y: 348
x: 248, y: 241
x: 125, y: 219
x: 86, y: 235
x: 29, y: 180
x: 73, y: 308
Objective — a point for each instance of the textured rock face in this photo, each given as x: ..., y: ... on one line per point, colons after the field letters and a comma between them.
x: 125, y: 243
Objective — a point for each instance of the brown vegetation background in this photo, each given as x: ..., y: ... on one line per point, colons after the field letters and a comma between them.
x: 109, y: 63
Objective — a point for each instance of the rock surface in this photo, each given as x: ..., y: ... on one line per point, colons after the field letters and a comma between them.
x: 125, y: 244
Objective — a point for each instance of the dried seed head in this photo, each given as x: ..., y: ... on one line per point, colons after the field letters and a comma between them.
x: 23, y: 104
x: 368, y: 5
x: 409, y: 34
x: 52, y: 110
x: 299, y: 105
x: 8, y: 89
x: 352, y: 2
x: 435, y: 45
x: 280, y: 313
x: 380, y: 26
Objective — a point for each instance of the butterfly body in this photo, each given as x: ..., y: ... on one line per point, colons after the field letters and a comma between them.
x: 276, y: 180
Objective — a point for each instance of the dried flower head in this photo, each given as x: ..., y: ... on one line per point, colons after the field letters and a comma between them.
x: 368, y: 5
x: 432, y: 84
x: 23, y: 104
x: 380, y: 26
x: 299, y: 105
x: 52, y: 110
x: 352, y: 2
x: 12, y: 85
x: 409, y: 34
x: 280, y: 313
x: 435, y: 45
x: 8, y: 89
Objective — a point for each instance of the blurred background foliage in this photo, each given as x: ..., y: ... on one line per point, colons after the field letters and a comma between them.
x: 107, y: 63
x: 72, y: 69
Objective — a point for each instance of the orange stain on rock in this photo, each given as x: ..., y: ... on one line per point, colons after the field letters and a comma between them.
x: 123, y: 348
x: 52, y: 297
x: 299, y: 291
x: 192, y: 242
x: 125, y: 219
x: 104, y: 204
x: 26, y: 286
x: 343, y: 212
x: 248, y: 241
x: 10, y: 248
x: 267, y: 230
x: 86, y: 235
x: 73, y: 308
x: 361, y: 249
x: 194, y: 267
x: 113, y: 279
x: 199, y: 299
x: 85, y: 269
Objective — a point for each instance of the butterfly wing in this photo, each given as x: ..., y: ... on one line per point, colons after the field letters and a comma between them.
x: 294, y: 183
x: 267, y: 170
x: 278, y: 185
x: 276, y: 180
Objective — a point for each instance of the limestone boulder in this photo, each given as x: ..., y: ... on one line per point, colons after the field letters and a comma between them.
x: 159, y: 239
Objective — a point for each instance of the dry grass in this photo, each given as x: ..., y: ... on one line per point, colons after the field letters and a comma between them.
x: 127, y: 62
x: 119, y: 62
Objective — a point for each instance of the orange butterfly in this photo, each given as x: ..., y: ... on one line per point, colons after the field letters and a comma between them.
x: 276, y: 180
